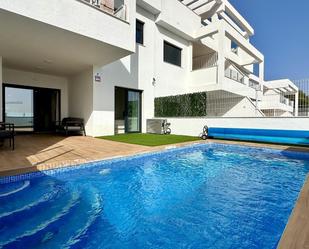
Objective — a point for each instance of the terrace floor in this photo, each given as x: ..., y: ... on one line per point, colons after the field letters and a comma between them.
x: 41, y: 152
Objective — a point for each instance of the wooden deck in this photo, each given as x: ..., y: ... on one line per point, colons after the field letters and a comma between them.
x: 39, y: 152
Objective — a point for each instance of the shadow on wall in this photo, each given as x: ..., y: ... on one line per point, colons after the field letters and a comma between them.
x: 122, y: 73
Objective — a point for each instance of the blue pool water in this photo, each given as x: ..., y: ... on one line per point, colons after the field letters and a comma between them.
x: 209, y: 196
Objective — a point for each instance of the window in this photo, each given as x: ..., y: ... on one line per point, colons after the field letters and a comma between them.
x: 139, y: 32
x: 172, y: 54
x: 234, y: 47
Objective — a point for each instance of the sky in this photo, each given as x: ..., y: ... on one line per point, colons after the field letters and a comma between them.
x: 281, y: 34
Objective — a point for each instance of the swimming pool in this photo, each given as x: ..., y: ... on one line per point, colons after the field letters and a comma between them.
x: 203, y: 196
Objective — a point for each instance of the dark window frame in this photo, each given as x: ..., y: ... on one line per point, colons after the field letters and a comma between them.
x: 174, y: 61
x: 139, y: 26
x: 10, y: 85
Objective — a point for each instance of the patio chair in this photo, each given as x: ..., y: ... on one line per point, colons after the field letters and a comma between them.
x: 7, y: 131
x: 71, y: 125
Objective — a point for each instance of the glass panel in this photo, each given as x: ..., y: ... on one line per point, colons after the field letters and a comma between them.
x: 133, y: 118
x: 139, y: 32
x: 19, y: 107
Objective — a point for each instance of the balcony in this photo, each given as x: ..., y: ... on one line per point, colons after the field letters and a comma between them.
x: 205, y: 61
x: 286, y: 101
x: 234, y: 75
x: 109, y: 6
x: 255, y: 85
x: 204, y: 76
x: 277, y: 102
x: 66, y: 37
x: 177, y: 18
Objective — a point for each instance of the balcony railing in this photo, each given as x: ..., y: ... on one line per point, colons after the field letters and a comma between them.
x: 205, y: 61
x: 234, y: 75
x: 109, y: 6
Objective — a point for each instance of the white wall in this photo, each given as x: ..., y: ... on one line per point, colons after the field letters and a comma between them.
x: 135, y: 72
x: 81, y: 98
x: 18, y: 77
x: 230, y: 106
x: 171, y: 79
x: 194, y: 126
x: 177, y: 17
x: 138, y: 71
x: 79, y: 18
x: 204, y: 77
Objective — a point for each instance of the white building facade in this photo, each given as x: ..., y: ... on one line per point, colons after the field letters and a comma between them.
x: 106, y: 61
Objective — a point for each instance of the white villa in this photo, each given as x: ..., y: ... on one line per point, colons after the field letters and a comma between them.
x: 107, y: 60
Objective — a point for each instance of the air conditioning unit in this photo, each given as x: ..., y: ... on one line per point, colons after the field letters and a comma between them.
x: 155, y: 126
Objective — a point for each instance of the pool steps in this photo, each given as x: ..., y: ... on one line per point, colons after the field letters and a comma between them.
x: 86, y: 222
x: 29, y: 207
x: 57, y: 222
x: 24, y: 186
x: 48, y: 220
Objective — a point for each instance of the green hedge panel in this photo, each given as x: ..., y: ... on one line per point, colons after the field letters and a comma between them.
x: 186, y: 105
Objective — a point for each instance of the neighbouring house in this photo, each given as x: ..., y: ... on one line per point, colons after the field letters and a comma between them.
x: 107, y: 60
x: 280, y: 99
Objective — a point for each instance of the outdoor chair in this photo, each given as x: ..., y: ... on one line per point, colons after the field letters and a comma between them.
x: 71, y: 125
x: 7, y: 132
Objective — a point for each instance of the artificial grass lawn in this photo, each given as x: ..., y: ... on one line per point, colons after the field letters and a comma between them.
x: 150, y: 139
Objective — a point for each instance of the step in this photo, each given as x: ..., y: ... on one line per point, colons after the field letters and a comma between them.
x: 31, y: 225
x: 28, y: 196
x: 35, y: 205
x: 17, y: 187
x: 77, y: 224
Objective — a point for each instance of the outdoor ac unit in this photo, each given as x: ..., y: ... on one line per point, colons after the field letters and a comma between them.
x: 155, y: 126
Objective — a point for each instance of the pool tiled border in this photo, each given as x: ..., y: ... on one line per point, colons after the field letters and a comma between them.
x: 167, y: 149
x: 91, y: 164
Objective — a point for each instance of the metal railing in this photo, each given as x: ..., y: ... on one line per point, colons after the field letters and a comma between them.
x: 205, y: 61
x: 303, y: 97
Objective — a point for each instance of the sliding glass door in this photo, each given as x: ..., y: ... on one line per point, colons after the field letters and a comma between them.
x: 134, y: 111
x: 127, y: 110
x: 18, y: 107
x: 31, y: 108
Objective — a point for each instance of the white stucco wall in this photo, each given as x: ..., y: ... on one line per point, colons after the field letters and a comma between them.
x: 194, y: 126
x: 171, y: 79
x: 204, y: 77
x: 81, y: 98
x: 134, y: 72
x: 79, y: 18
x: 177, y: 17
x: 137, y: 72
x: 230, y: 107
x: 18, y: 77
